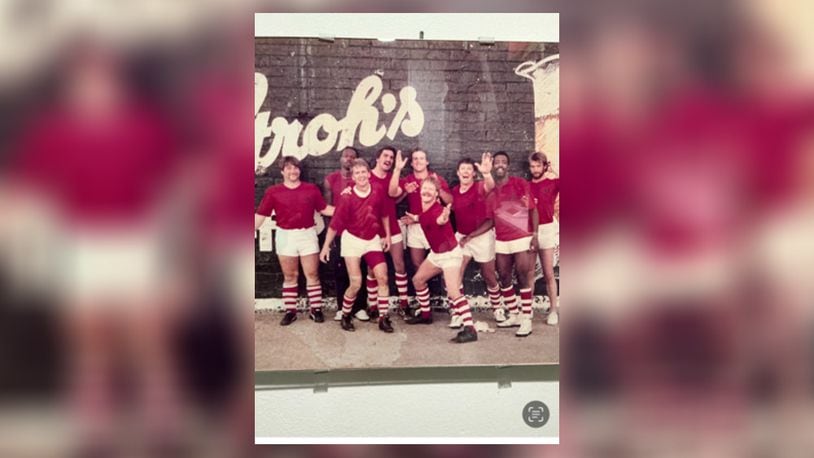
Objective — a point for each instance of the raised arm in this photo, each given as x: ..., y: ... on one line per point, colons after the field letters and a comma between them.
x: 485, y: 168
x: 394, y: 190
x: 443, y: 218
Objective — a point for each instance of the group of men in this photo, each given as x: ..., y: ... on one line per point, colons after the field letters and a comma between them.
x: 502, y: 222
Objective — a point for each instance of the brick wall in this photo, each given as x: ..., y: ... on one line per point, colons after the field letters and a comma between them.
x: 471, y: 99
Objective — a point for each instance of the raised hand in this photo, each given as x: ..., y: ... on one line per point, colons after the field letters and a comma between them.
x: 411, y: 187
x: 443, y: 218
x: 346, y: 191
x: 400, y: 162
x: 485, y: 164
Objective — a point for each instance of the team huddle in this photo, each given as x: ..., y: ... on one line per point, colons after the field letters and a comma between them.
x: 502, y: 222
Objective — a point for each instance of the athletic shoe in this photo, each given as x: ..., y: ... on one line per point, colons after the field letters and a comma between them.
x: 525, y: 328
x: 419, y: 320
x: 338, y: 315
x: 362, y: 315
x: 553, y: 318
x: 346, y: 323
x: 500, y: 315
x: 385, y: 325
x: 289, y: 318
x: 456, y: 322
x: 317, y: 316
x: 468, y: 334
x: 512, y: 320
x: 374, y: 314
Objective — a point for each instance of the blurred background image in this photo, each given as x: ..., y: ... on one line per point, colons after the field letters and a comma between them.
x: 687, y: 129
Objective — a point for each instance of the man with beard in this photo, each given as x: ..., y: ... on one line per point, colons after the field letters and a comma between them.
x: 511, y: 207
x: 545, y: 188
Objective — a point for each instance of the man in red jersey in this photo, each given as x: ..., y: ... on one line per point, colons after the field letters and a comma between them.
x: 294, y: 203
x: 545, y: 188
x: 409, y: 187
x: 333, y: 186
x: 445, y: 257
x: 474, y: 229
x: 360, y: 217
x: 512, y: 209
x: 380, y: 178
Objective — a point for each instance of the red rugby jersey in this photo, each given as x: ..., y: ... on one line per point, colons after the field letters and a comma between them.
x: 469, y: 207
x: 509, y: 210
x: 414, y: 198
x: 382, y: 184
x: 360, y: 215
x: 440, y: 236
x: 293, y: 208
x: 545, y: 192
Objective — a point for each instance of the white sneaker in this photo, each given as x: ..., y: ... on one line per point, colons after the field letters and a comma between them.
x: 525, y: 328
x: 513, y: 320
x: 553, y: 318
x: 500, y: 315
x: 361, y: 315
x: 338, y: 316
x: 456, y: 322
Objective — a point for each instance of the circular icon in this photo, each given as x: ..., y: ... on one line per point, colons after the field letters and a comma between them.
x: 536, y: 414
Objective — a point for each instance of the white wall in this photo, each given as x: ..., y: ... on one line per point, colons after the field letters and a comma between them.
x: 541, y: 27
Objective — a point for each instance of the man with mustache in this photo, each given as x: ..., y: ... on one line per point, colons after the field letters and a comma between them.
x: 545, y: 187
x: 410, y: 187
x: 511, y: 207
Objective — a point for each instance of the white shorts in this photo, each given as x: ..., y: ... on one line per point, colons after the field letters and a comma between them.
x: 548, y: 234
x: 514, y: 246
x: 296, y: 242
x: 480, y: 248
x: 396, y: 238
x: 452, y: 258
x: 355, y: 247
x: 416, y: 237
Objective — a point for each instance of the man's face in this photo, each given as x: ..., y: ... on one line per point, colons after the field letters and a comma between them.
x: 501, y: 166
x: 537, y: 169
x: 385, y: 160
x: 428, y: 192
x: 466, y: 173
x: 361, y: 176
x: 291, y: 172
x: 419, y: 161
x: 348, y: 155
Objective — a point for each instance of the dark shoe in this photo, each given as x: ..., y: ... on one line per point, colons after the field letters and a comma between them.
x: 373, y: 314
x: 468, y: 334
x: 385, y: 325
x: 317, y: 316
x: 419, y: 320
x: 289, y: 318
x: 346, y: 323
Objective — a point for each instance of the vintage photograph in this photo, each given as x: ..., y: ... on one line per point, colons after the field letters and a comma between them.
x: 406, y: 202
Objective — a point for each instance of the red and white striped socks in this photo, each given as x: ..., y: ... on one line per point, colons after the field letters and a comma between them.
x: 384, y: 307
x: 347, y: 304
x: 509, y: 299
x: 315, y: 296
x: 290, y: 297
x: 423, y: 296
x: 461, y: 306
x: 372, y: 292
x: 401, y: 285
x: 525, y: 302
x: 494, y: 297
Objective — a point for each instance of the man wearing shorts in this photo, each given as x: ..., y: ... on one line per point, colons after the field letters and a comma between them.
x: 409, y: 187
x: 295, y: 240
x: 511, y: 207
x: 545, y: 188
x: 333, y: 186
x: 360, y: 216
x: 445, y: 257
x: 380, y: 178
x: 474, y: 230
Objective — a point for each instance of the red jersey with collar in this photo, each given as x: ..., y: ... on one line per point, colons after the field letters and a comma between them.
x: 545, y: 193
x: 440, y: 236
x: 469, y: 207
x: 382, y: 185
x: 293, y: 208
x: 361, y: 215
x: 509, y: 205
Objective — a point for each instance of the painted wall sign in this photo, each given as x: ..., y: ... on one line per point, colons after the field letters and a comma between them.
x: 324, y: 132
x: 545, y: 74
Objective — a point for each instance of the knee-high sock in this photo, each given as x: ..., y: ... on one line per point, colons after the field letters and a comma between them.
x: 525, y: 301
x: 347, y: 304
x: 494, y: 297
x: 290, y: 297
x: 401, y: 286
x: 315, y: 296
x: 372, y: 292
x: 509, y: 299
x: 462, y: 305
x: 423, y: 296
